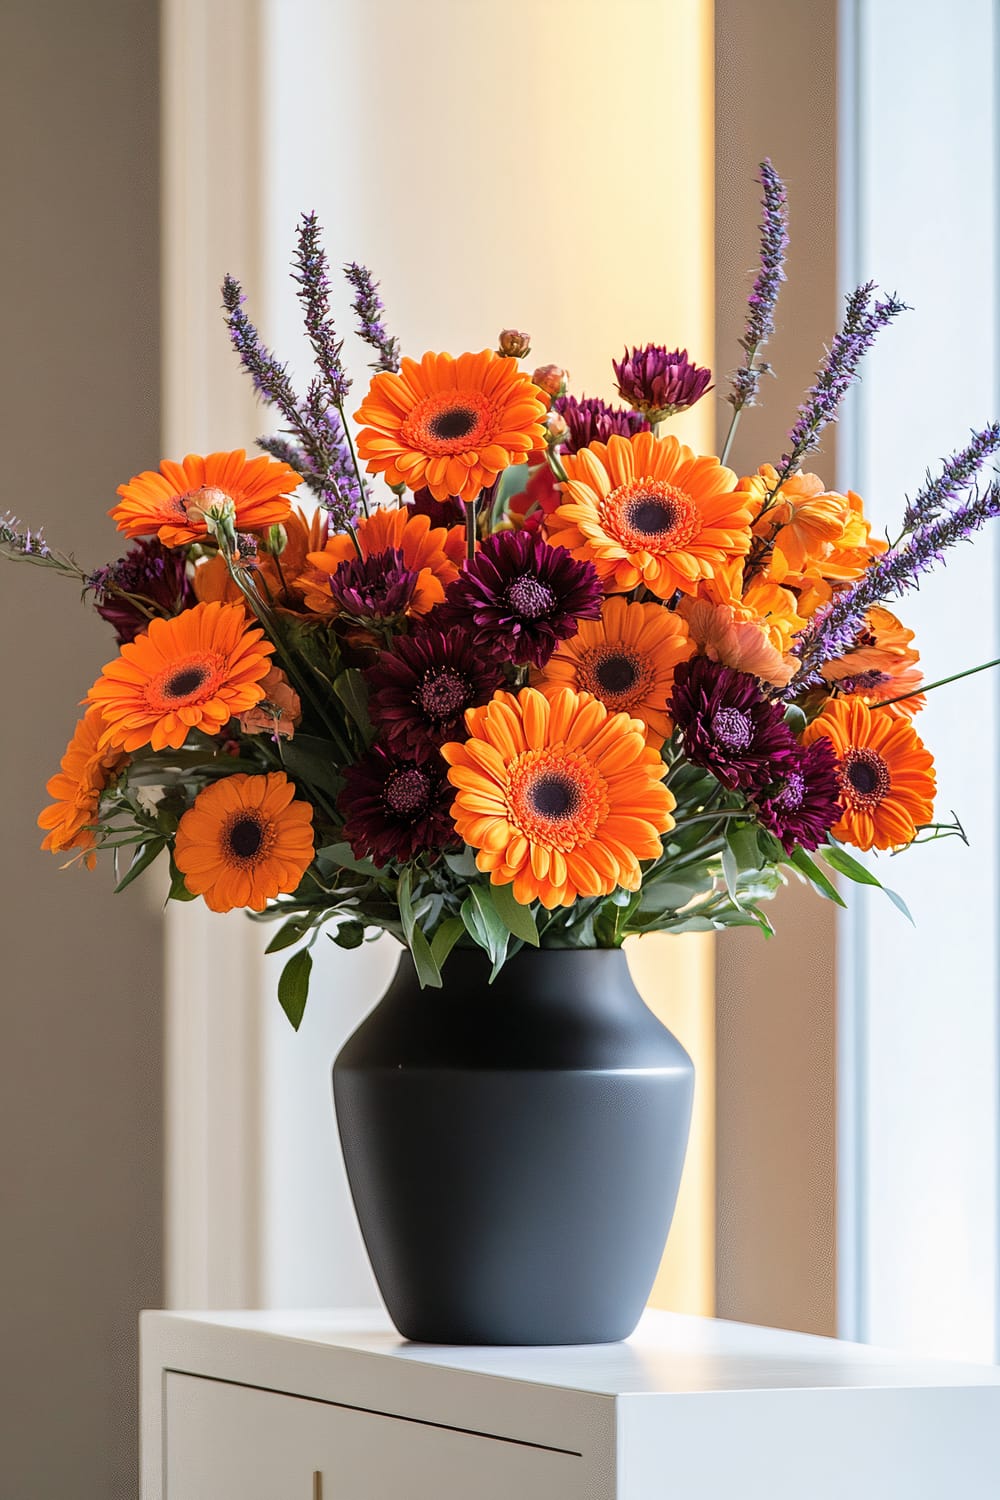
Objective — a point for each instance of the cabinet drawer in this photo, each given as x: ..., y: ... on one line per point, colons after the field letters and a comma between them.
x: 234, y: 1442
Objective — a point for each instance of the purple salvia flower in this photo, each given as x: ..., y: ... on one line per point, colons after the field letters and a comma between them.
x: 22, y: 543
x: 955, y: 477
x: 591, y: 420
x: 834, y: 629
x: 311, y: 272
x: 863, y: 322
x: 270, y: 377
x: 659, y: 382
x: 368, y: 306
x: 764, y: 294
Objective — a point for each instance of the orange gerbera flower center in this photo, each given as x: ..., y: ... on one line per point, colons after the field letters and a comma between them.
x: 449, y: 422
x: 247, y: 837
x: 556, y: 797
x: 864, y: 778
x: 650, y: 515
x: 187, y: 682
x: 619, y: 677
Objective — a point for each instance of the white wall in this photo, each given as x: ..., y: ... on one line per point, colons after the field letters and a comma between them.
x: 919, y: 1034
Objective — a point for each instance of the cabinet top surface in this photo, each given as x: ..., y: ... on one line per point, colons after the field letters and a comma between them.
x: 668, y: 1354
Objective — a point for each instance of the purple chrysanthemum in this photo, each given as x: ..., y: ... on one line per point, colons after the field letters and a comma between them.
x: 151, y: 575
x: 419, y: 691
x: 659, y: 382
x: 396, y: 809
x: 801, y: 809
x: 519, y: 597
x: 592, y: 420
x: 728, y: 727
x: 376, y: 589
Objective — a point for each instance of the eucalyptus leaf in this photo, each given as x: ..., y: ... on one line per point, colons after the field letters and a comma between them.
x: 731, y: 874
x: 428, y: 972
x: 801, y: 861
x: 352, y: 690
x: 292, y: 931
x: 144, y: 857
x: 845, y: 864
x: 341, y: 857
x: 349, y: 934
x: 518, y: 919
x: 445, y: 939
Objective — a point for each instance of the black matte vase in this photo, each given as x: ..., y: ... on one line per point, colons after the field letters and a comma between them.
x: 514, y: 1150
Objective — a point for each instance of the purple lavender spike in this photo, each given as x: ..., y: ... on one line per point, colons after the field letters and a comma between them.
x: 311, y: 271
x: 764, y: 294
x: 368, y: 307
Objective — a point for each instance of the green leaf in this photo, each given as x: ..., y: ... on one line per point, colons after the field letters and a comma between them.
x: 424, y: 961
x: 288, y: 933
x: 341, y: 857
x: 349, y: 934
x: 731, y: 873
x: 293, y: 986
x: 143, y: 858
x: 518, y: 919
x: 178, y: 890
x: 845, y: 864
x: 743, y: 842
x: 795, y: 718
x: 352, y: 690
x: 463, y: 865
x: 801, y: 861
x: 484, y: 925
x: 404, y: 899
x: 445, y: 939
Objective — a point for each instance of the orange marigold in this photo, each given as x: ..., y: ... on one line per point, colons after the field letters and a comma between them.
x: 561, y: 798
x: 172, y: 503
x: 626, y: 659
x: 887, y: 780
x: 85, y: 771
x: 432, y: 552
x: 245, y: 840
x: 196, y: 671
x: 649, y: 510
x: 451, y: 425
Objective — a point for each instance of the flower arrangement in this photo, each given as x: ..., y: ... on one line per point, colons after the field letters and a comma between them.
x: 523, y: 668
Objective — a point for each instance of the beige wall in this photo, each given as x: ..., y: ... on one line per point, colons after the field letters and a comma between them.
x: 80, y: 1130
x: 775, y: 1022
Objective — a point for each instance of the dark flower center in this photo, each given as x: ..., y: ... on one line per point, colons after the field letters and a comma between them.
x: 185, y: 682
x: 650, y: 515
x: 732, y: 728
x: 458, y: 422
x: 554, y: 796
x: 407, y: 792
x: 792, y: 793
x: 616, y: 674
x: 866, y: 776
x: 443, y: 694
x: 529, y: 596
x: 245, y: 837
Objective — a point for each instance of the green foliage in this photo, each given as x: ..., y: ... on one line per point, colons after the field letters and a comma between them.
x: 293, y: 986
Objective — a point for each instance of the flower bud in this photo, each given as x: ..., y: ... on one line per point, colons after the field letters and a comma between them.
x: 276, y: 540
x: 556, y: 428
x: 514, y: 345
x: 551, y: 379
x: 659, y: 382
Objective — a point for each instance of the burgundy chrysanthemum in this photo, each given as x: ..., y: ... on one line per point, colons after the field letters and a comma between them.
x: 377, y: 588
x: 660, y: 382
x: 729, y: 727
x: 519, y: 597
x: 154, y: 574
x: 419, y: 691
x: 802, y: 808
x: 592, y: 420
x: 449, y: 512
x: 395, y: 809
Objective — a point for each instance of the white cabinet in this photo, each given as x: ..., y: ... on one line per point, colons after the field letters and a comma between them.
x: 296, y: 1406
x: 234, y: 1442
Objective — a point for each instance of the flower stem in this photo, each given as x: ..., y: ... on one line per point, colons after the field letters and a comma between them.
x: 471, y: 512
x: 941, y: 682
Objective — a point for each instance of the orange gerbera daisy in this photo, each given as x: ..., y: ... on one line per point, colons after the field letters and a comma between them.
x: 887, y: 780
x: 245, y: 840
x: 626, y: 659
x: 804, y: 520
x: 882, y: 666
x: 432, y: 552
x: 450, y: 424
x: 561, y: 798
x: 196, y: 671
x: 649, y: 510
x: 85, y: 771
x: 172, y: 503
